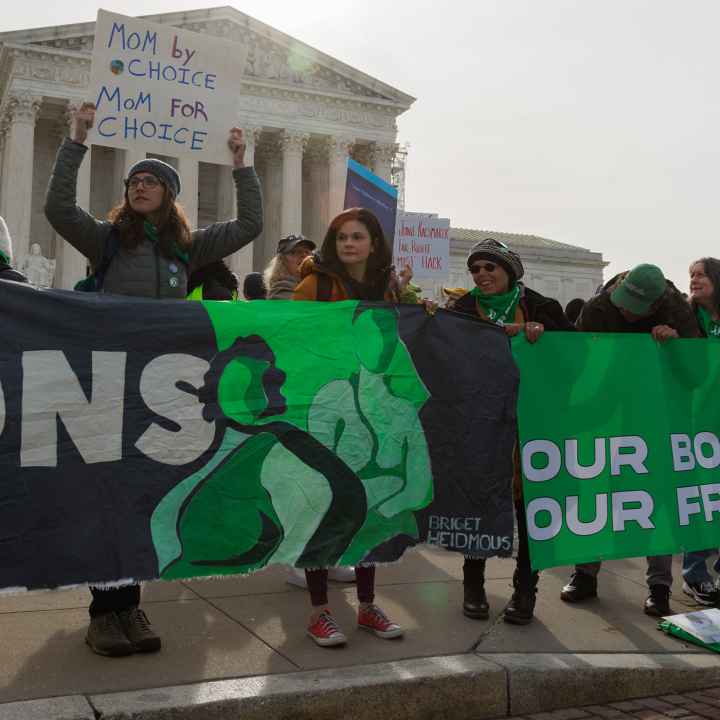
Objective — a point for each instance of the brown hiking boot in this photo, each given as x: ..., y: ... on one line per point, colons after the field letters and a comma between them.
x: 105, y: 636
x: 136, y: 627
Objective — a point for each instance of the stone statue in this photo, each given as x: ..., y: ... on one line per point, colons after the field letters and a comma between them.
x: 38, y: 269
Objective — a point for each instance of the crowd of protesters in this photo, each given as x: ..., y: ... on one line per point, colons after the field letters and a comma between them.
x: 146, y: 249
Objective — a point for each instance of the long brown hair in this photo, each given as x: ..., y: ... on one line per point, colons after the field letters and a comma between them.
x: 173, y: 227
x: 711, y: 266
x: 378, y: 269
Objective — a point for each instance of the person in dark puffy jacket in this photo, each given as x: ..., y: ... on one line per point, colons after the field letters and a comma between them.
x: 157, y: 253
x: 158, y: 250
x: 640, y: 300
x: 7, y: 272
x: 499, y: 297
x: 637, y: 301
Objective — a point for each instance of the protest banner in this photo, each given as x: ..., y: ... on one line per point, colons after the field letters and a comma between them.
x: 619, y: 446
x: 422, y: 241
x: 163, y: 90
x: 166, y: 439
x: 365, y: 189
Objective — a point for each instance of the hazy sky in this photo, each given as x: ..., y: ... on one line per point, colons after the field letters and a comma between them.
x: 592, y: 122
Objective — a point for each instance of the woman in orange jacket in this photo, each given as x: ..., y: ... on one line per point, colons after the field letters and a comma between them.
x: 354, y: 264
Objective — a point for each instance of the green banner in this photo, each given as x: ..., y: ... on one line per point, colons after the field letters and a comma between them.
x: 619, y: 446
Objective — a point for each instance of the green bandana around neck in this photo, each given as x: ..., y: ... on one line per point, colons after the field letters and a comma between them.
x: 710, y: 326
x: 4, y: 258
x: 151, y: 232
x: 499, y: 308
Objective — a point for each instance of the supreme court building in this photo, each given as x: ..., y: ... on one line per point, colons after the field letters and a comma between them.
x: 304, y: 113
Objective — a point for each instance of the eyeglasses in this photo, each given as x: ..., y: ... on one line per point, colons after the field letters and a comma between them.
x: 487, y: 267
x: 148, y: 181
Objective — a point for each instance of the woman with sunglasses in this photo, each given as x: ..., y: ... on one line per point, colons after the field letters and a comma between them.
x: 155, y: 252
x: 499, y: 297
x: 354, y: 264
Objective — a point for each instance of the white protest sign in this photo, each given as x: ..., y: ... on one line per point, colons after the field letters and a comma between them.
x: 422, y: 241
x: 164, y: 90
x: 703, y: 624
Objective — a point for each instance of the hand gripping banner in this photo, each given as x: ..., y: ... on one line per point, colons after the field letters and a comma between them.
x: 150, y: 439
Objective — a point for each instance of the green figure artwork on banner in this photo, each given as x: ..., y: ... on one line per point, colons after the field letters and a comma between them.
x: 323, y: 455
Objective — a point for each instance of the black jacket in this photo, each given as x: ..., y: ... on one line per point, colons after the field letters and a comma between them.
x: 672, y: 309
x: 535, y: 308
x: 8, y: 273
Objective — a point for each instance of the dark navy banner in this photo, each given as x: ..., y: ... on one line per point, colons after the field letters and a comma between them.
x: 166, y: 439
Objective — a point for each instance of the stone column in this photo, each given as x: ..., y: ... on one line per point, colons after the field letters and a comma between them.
x: 315, y: 192
x: 382, y: 157
x: 71, y: 264
x: 123, y: 160
x: 4, y: 127
x: 338, y: 153
x: 129, y: 157
x: 188, y: 169
x: 241, y: 262
x: 18, y: 169
x: 292, y: 145
x: 272, y: 176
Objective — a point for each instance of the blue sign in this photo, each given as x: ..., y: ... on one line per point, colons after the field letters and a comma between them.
x: 367, y: 190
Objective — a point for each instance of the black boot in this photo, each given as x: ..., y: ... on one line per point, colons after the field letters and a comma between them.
x: 475, y: 604
x: 658, y: 601
x: 521, y: 607
x: 580, y: 587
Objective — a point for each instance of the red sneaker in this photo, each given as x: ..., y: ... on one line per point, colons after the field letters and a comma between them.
x: 325, y: 631
x: 373, y: 619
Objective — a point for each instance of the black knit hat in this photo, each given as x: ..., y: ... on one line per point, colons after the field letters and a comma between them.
x: 167, y: 174
x: 499, y: 253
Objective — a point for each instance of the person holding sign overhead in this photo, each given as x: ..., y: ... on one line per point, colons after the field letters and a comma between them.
x: 145, y: 249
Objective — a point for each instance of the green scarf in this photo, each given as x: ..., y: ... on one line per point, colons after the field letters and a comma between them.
x: 151, y: 232
x: 500, y: 309
x: 4, y: 258
x: 710, y: 326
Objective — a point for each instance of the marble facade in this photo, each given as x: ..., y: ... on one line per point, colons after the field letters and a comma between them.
x: 304, y: 114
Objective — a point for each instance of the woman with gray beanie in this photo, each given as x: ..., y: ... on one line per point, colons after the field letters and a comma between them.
x: 500, y: 298
x: 145, y: 249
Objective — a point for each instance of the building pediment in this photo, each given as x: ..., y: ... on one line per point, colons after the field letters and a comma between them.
x: 270, y: 57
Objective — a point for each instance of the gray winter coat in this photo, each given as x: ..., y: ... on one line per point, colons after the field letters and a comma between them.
x: 144, y: 272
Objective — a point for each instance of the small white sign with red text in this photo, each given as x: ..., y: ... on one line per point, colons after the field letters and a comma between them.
x: 422, y: 241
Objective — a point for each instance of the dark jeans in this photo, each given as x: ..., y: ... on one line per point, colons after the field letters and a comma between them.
x: 107, y: 600
x: 525, y: 578
x: 317, y: 582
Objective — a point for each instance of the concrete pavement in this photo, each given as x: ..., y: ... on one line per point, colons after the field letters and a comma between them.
x: 239, y: 643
